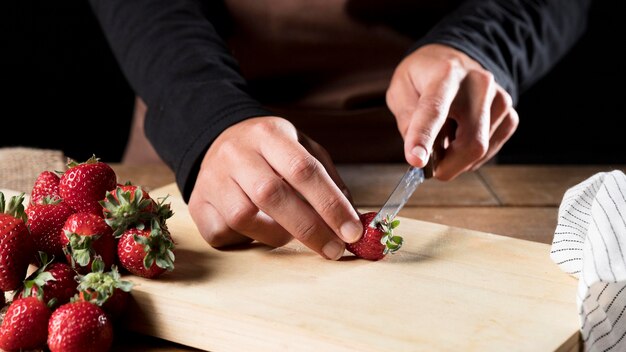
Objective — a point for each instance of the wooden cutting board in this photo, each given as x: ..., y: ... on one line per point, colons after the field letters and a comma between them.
x: 447, y: 289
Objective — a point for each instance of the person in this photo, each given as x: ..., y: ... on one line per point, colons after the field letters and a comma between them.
x: 222, y: 82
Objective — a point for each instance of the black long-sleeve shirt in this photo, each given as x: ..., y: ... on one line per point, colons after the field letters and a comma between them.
x: 176, y: 54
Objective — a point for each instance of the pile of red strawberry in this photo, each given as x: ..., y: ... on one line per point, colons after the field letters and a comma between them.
x: 78, y: 228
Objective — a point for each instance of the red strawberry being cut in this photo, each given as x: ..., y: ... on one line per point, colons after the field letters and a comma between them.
x: 79, y: 326
x: 25, y: 325
x: 16, y: 246
x: 84, y: 185
x: 376, y: 241
x: 46, y: 185
x: 85, y: 236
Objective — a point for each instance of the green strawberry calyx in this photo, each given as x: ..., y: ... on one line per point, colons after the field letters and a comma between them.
x: 391, y: 242
x: 51, y: 200
x: 163, y: 211
x: 15, y: 206
x: 122, y: 210
x: 98, y: 286
x: 72, y: 163
x: 39, y: 278
x: 79, y: 248
x: 158, y: 246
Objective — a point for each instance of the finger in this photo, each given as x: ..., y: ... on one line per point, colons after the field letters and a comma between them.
x: 500, y: 136
x: 429, y: 116
x: 401, y: 98
x: 309, y: 178
x: 271, y: 194
x: 230, y: 220
x: 500, y: 107
x: 244, y: 217
x: 473, y: 126
x: 213, y: 228
x: 322, y: 155
x: 500, y: 113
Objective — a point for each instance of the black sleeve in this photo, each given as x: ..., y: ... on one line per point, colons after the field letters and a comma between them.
x: 174, y: 59
x: 518, y: 41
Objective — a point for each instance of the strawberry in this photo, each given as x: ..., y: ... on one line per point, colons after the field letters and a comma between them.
x: 54, y: 283
x: 25, y: 325
x: 106, y: 289
x: 45, y: 221
x: 46, y: 185
x: 128, y: 206
x: 84, y: 185
x: 84, y: 236
x: 16, y: 246
x: 147, y: 253
x: 377, y: 240
x: 79, y: 326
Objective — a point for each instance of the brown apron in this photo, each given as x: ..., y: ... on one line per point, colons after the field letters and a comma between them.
x: 325, y: 65
x: 324, y: 71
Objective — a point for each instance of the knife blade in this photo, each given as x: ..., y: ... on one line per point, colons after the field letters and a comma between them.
x: 412, y: 178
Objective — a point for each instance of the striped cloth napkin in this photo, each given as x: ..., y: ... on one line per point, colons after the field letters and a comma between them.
x: 590, y: 243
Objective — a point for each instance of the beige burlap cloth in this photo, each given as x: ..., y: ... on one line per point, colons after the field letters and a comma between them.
x: 20, y: 166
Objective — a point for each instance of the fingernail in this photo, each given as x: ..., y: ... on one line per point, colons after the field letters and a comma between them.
x: 333, y: 250
x: 350, y: 231
x: 420, y: 152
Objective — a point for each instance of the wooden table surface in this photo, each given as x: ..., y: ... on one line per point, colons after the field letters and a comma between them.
x: 519, y: 201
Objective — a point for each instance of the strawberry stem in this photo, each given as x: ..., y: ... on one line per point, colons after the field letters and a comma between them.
x: 158, y: 247
x: 391, y: 242
x: 80, y: 248
x: 98, y: 286
x: 124, y: 210
x: 72, y: 163
x: 15, y: 207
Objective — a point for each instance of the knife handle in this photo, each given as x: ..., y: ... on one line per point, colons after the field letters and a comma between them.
x: 429, y: 168
x: 445, y: 136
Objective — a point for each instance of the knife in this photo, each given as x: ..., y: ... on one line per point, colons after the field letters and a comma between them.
x: 413, y: 177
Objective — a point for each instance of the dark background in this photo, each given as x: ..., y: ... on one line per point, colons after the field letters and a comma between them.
x: 62, y: 78
x: 576, y: 113
x: 59, y: 77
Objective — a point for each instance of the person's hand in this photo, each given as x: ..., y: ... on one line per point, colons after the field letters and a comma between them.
x: 262, y: 180
x: 436, y: 85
